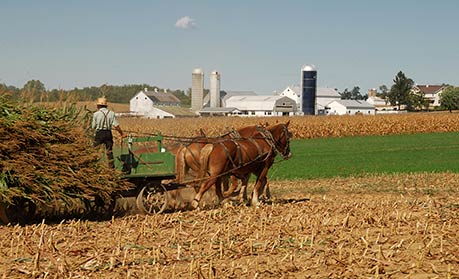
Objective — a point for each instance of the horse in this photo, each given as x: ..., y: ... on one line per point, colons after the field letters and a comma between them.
x: 188, y: 158
x: 241, y: 157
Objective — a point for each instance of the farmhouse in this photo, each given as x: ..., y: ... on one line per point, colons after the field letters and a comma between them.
x: 430, y: 92
x: 349, y: 107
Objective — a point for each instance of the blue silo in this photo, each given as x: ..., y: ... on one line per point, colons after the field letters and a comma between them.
x: 308, y: 89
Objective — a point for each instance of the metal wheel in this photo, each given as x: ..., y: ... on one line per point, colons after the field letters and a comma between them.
x: 3, y: 215
x: 22, y: 212
x: 152, y: 199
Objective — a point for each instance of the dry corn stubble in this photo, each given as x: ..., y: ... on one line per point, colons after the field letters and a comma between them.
x: 347, y: 230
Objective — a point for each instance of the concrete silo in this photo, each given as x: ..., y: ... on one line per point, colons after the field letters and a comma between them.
x: 308, y: 89
x: 215, y: 89
x: 197, y: 90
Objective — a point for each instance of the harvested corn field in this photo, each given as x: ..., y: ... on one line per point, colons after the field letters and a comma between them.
x: 391, y: 226
x: 401, y: 226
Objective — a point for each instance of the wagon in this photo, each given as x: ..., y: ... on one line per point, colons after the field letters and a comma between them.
x: 151, y: 168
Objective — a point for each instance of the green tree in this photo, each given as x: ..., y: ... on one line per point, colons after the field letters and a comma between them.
x: 416, y: 102
x: 33, y: 90
x: 383, y: 91
x: 399, y: 93
x: 449, y: 98
x: 354, y: 94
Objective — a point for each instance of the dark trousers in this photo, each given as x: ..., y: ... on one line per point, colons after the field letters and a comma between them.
x: 105, y: 137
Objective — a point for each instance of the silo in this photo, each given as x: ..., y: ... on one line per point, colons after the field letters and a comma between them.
x: 308, y: 89
x: 197, y: 90
x: 215, y: 89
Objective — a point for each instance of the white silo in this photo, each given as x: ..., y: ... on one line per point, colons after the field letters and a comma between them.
x: 197, y: 90
x: 215, y: 89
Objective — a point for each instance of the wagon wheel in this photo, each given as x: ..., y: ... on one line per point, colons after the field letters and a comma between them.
x: 152, y: 199
x: 3, y: 215
x: 23, y: 212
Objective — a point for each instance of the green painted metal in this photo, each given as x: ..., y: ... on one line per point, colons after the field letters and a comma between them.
x: 140, y: 161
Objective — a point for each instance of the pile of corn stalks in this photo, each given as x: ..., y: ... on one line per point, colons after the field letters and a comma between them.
x: 46, y: 156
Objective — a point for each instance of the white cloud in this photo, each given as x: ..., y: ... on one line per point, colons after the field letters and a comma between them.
x: 185, y: 22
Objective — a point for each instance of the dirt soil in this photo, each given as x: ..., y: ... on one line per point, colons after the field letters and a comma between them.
x: 391, y: 226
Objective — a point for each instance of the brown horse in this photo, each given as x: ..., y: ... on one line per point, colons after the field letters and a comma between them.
x: 241, y: 157
x: 188, y: 159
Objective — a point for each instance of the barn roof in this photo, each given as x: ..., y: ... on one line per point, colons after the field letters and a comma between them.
x: 177, y: 111
x: 261, y: 102
x: 355, y: 104
x: 162, y: 97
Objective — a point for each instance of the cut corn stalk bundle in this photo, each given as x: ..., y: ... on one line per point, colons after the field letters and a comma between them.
x: 46, y: 155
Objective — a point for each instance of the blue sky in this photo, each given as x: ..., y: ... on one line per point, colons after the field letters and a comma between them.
x: 255, y: 45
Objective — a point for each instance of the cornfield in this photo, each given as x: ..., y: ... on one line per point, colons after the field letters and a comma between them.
x: 303, y: 127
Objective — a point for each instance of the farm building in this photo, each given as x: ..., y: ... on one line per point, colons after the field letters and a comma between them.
x: 230, y: 94
x: 219, y: 111
x: 324, y: 96
x: 154, y: 104
x: 381, y: 105
x: 262, y: 105
x: 349, y: 107
x: 430, y: 92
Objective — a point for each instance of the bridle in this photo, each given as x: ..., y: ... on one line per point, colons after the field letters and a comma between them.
x: 276, y: 145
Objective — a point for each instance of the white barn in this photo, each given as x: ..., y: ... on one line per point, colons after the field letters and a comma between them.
x: 349, y: 107
x: 250, y: 105
x: 153, y: 104
x: 324, y: 96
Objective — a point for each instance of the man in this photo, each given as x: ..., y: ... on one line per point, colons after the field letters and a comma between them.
x: 103, y: 121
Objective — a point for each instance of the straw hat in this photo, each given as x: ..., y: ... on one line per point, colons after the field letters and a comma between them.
x: 101, y: 101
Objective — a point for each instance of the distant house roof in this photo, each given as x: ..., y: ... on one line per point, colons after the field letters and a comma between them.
x: 162, y: 97
x: 430, y: 89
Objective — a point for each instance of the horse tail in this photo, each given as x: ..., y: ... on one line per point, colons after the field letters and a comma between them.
x: 180, y: 164
x: 204, y: 160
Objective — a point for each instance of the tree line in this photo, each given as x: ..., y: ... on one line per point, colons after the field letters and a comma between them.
x: 401, y: 95
x: 35, y: 91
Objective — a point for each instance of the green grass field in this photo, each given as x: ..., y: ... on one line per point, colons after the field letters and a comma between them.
x: 355, y: 156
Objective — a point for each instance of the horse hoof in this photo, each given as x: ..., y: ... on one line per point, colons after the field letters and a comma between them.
x: 194, y: 204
